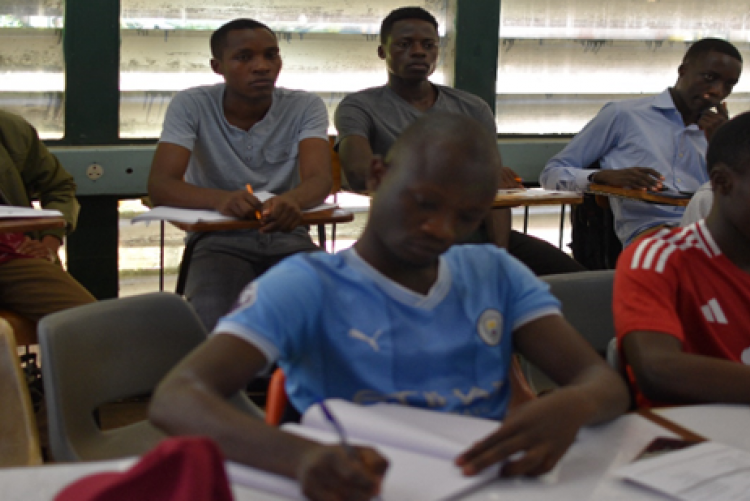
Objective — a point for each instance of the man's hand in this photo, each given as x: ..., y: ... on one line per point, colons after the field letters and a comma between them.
x: 532, y: 438
x: 509, y: 179
x: 280, y: 213
x: 37, y: 249
x: 710, y: 121
x: 240, y: 204
x: 637, y: 178
x: 328, y: 473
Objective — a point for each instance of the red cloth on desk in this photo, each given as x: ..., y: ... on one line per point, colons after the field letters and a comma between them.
x: 178, y: 469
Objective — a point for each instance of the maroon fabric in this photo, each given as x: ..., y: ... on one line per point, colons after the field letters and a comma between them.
x: 9, y: 242
x: 178, y: 469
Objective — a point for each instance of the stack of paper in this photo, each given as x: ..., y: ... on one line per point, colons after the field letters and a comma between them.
x: 12, y: 212
x: 420, y: 445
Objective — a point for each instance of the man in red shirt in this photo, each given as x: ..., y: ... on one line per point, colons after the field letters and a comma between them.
x: 682, y: 296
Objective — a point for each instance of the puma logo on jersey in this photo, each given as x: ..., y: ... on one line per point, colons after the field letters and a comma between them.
x: 372, y: 341
x: 713, y: 312
x: 745, y: 357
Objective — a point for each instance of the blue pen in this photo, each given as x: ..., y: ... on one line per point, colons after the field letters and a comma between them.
x: 342, y: 435
x: 339, y: 429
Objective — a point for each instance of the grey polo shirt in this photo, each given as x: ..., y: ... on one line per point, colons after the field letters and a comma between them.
x: 380, y: 115
x: 226, y: 157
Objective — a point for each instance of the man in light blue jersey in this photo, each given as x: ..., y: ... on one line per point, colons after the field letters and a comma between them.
x: 403, y: 316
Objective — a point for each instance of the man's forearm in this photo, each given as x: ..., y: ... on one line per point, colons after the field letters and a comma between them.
x: 311, y: 191
x: 689, y: 378
x: 187, y: 408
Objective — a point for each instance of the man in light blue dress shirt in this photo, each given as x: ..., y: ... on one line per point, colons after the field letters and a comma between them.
x: 654, y: 142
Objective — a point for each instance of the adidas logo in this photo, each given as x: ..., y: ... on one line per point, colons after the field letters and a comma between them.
x: 713, y: 313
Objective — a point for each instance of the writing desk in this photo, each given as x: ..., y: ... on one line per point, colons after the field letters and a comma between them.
x: 585, y: 472
x: 641, y: 195
x: 319, y: 218
x: 25, y: 224
x: 537, y: 197
x: 723, y: 423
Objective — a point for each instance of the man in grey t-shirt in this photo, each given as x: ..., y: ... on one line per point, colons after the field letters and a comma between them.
x: 369, y: 121
x: 217, y: 140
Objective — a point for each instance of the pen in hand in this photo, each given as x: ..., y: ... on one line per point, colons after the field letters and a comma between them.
x: 342, y: 435
x: 250, y: 190
x: 339, y: 430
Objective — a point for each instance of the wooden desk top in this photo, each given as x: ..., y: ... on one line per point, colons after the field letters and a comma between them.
x: 318, y: 217
x: 516, y: 198
x: 644, y: 196
x: 24, y: 224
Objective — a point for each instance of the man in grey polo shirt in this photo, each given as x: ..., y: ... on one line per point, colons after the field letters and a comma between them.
x: 370, y: 121
x: 219, y: 139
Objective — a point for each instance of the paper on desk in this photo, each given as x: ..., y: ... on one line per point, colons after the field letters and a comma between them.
x: 534, y: 193
x: 704, y: 471
x: 12, y: 211
x: 181, y: 215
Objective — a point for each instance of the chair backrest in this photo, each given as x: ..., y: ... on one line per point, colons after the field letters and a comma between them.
x: 24, y: 329
x: 594, y: 242
x: 19, y: 437
x: 335, y: 166
x: 106, y: 351
x: 586, y: 299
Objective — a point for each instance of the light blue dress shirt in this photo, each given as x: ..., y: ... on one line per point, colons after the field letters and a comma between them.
x: 645, y: 132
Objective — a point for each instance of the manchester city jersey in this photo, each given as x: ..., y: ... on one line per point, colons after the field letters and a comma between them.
x: 340, y: 329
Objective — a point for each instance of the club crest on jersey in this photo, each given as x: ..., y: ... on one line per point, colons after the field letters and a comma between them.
x: 490, y: 326
x: 248, y: 295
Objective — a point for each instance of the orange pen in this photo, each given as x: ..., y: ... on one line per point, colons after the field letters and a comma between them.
x: 250, y: 190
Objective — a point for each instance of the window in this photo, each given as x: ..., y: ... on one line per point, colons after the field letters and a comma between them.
x: 31, y: 57
x: 560, y: 61
x: 328, y: 47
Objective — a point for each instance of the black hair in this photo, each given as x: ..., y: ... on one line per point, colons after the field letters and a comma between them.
x: 712, y: 45
x: 399, y: 15
x: 730, y: 145
x: 219, y: 37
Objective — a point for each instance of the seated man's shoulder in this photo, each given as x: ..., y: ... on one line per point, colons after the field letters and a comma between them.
x: 14, y: 124
x: 295, y: 95
x: 675, y: 248
x: 461, y: 95
x: 369, y: 96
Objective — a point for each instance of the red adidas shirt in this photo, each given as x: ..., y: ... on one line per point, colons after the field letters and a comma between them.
x: 678, y: 282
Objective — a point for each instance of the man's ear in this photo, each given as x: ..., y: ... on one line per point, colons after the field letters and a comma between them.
x: 381, y: 52
x: 216, y: 66
x: 722, y: 179
x: 375, y: 175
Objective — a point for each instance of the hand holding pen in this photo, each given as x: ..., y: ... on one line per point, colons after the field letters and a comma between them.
x: 509, y: 179
x: 250, y: 190
x: 342, y: 472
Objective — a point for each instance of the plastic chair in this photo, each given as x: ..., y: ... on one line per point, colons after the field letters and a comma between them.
x: 107, y: 351
x: 277, y: 400
x: 586, y: 299
x: 24, y: 329
x: 19, y: 437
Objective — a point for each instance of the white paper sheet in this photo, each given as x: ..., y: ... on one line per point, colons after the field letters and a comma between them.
x: 12, y: 212
x: 705, y: 471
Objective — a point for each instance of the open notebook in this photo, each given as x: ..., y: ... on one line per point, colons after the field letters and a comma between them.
x: 420, y: 446
x: 180, y: 215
